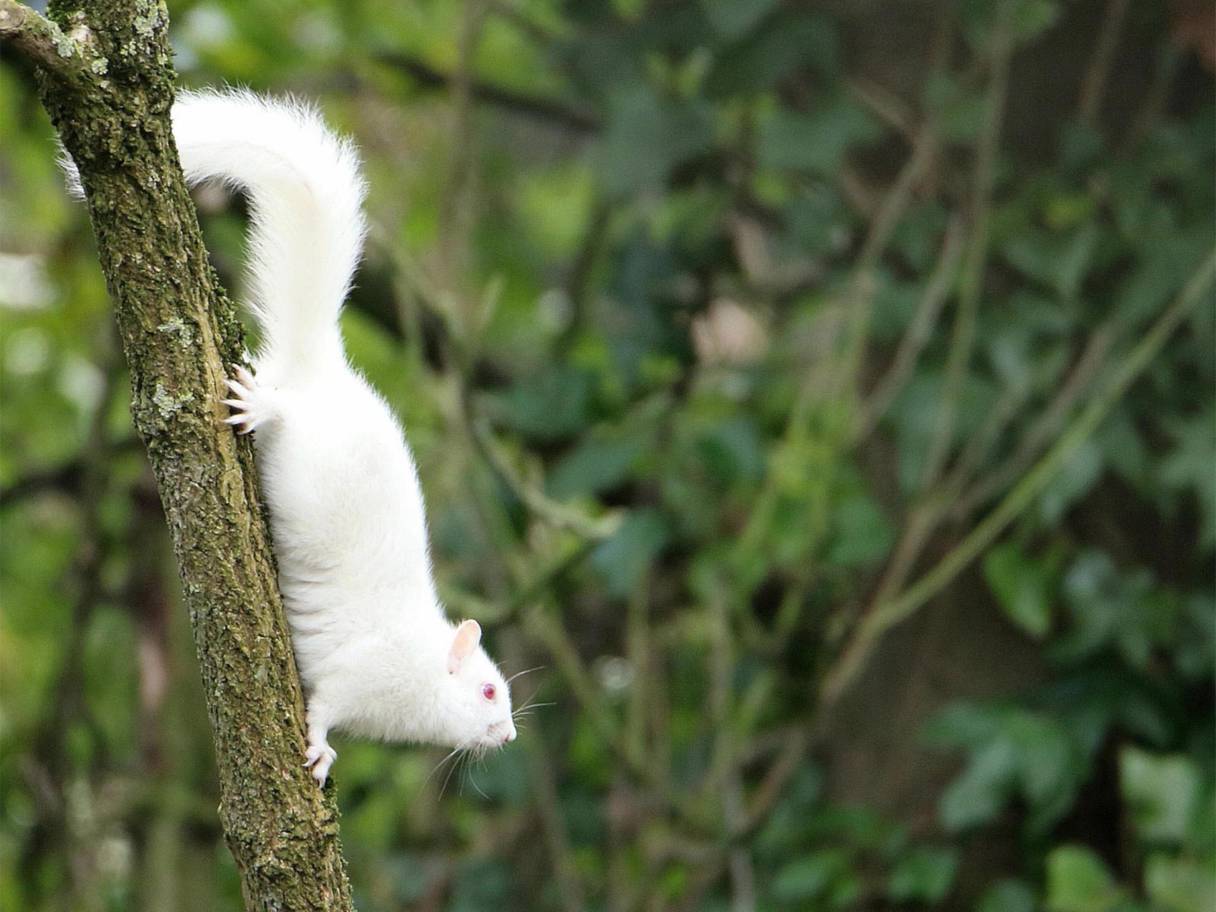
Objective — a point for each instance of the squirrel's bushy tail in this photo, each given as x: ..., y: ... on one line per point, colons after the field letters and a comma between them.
x: 306, y: 196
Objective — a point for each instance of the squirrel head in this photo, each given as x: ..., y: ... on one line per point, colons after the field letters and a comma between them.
x: 478, y: 700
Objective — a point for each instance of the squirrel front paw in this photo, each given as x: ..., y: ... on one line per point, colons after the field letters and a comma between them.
x: 250, y: 405
x: 319, y: 758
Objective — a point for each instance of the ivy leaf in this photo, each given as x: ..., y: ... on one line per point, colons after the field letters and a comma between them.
x: 1161, y: 791
x: 1008, y: 896
x: 811, y: 876
x: 550, y: 405
x: 814, y: 142
x: 862, y: 533
x: 1022, y: 587
x: 733, y: 18
x: 623, y: 558
x: 1180, y: 884
x: 1078, y: 881
x: 979, y: 794
x: 1189, y: 467
x: 1072, y: 482
x: 646, y: 136
x: 923, y: 875
x: 785, y: 41
x: 594, y: 465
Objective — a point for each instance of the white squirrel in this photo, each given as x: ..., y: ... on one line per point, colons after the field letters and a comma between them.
x: 377, y: 655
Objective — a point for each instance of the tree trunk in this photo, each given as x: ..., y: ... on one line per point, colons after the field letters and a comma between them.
x: 105, y: 76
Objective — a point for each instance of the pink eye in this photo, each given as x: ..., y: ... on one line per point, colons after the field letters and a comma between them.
x: 488, y: 691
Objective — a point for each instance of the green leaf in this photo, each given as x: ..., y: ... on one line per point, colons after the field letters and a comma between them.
x: 1196, y: 651
x: 862, y: 534
x: 1078, y: 881
x: 1008, y: 896
x: 1072, y: 482
x: 1189, y: 467
x: 595, y: 464
x: 646, y: 136
x: 1054, y: 258
x: 787, y: 40
x: 624, y: 557
x: 980, y: 793
x: 809, y: 877
x: 1014, y: 752
x: 1161, y: 791
x: 1180, y: 884
x: 1022, y: 586
x: 550, y: 405
x: 481, y: 883
x: 1033, y: 17
x: 963, y: 724
x: 814, y: 142
x: 923, y: 875
x: 1125, y: 610
x: 1162, y: 269
x: 732, y: 18
x: 731, y: 451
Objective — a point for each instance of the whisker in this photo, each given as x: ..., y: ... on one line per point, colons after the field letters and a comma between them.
x: 470, y: 758
x: 436, y: 767
x: 463, y: 749
x: 473, y: 780
x: 520, y: 674
x: 530, y: 707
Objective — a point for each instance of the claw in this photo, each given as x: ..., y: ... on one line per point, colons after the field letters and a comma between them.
x: 320, y: 757
x: 248, y: 400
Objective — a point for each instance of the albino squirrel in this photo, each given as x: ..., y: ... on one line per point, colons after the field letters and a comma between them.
x: 377, y: 656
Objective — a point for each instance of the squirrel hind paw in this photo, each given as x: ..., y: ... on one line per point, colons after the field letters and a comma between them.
x: 250, y: 403
x: 319, y: 758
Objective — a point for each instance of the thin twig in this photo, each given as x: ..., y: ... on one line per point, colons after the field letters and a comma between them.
x: 884, y: 104
x: 894, y: 205
x: 972, y: 280
x: 1093, y: 89
x: 1046, y: 427
x: 551, y: 111
x: 917, y: 335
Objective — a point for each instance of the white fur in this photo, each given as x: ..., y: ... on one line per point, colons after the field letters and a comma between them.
x: 346, y: 513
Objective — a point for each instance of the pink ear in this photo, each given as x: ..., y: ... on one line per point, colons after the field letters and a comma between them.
x: 468, y: 635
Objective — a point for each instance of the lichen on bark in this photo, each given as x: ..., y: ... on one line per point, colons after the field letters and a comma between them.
x: 105, y: 76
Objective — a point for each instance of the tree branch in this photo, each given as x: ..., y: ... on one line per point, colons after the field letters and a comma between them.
x: 69, y: 57
x: 546, y: 109
x: 178, y: 330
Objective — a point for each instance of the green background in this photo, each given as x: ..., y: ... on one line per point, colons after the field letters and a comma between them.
x: 715, y: 326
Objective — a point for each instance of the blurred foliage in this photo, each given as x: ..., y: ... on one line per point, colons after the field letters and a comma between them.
x: 715, y: 327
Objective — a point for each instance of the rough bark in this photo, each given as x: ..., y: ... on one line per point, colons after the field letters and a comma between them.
x: 105, y: 76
